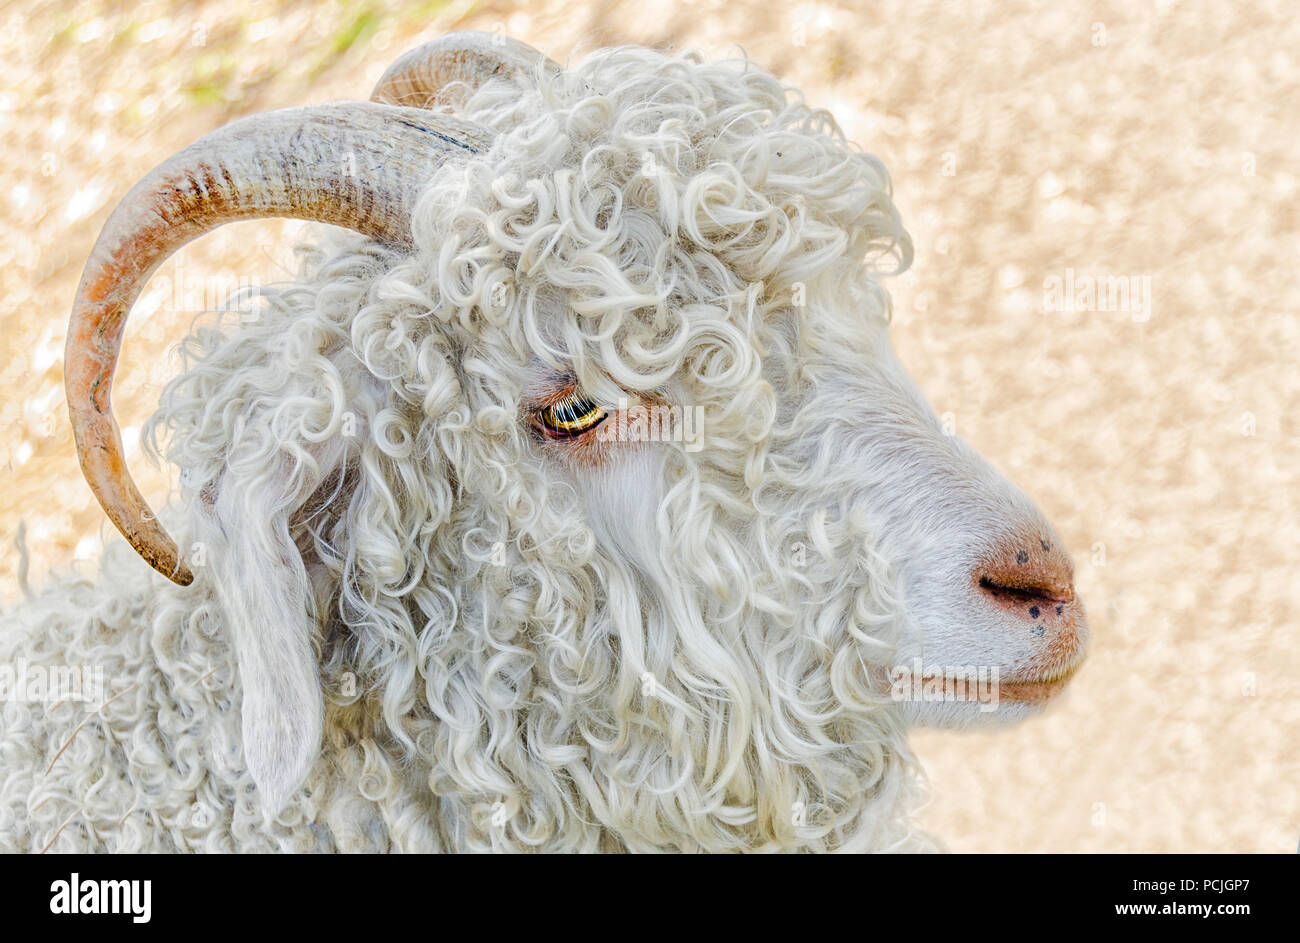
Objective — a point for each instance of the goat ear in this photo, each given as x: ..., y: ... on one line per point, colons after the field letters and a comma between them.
x: 262, y: 583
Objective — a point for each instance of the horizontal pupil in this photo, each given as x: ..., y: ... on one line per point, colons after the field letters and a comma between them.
x: 572, y: 414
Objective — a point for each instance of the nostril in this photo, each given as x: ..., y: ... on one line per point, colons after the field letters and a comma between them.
x: 1045, y: 596
x: 1028, y: 574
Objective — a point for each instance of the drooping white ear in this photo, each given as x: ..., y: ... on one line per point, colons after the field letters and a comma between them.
x: 262, y: 584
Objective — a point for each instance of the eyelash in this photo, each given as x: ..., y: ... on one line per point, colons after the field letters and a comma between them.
x: 570, y: 417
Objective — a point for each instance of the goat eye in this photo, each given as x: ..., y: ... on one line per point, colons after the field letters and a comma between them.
x: 571, y: 416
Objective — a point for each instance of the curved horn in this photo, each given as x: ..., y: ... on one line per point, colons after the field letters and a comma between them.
x: 359, y: 165
x: 419, y: 77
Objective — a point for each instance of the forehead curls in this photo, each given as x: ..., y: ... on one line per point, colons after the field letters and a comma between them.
x: 652, y: 194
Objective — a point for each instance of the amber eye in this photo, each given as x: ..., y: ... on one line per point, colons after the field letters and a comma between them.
x: 571, y: 416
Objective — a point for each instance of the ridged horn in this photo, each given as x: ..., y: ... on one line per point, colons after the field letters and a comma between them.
x: 419, y: 78
x: 359, y: 165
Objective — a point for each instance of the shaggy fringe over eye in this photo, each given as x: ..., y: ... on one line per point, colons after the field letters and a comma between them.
x: 496, y: 675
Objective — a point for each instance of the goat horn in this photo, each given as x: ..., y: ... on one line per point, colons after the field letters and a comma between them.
x: 419, y: 77
x: 357, y: 164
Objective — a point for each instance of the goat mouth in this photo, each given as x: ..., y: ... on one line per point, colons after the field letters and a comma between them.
x: 1030, y: 690
x: 1036, y: 690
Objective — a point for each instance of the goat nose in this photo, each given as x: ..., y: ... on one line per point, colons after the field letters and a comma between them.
x: 1029, y: 575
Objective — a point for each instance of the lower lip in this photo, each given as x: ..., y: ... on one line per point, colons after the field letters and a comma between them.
x: 1031, y: 692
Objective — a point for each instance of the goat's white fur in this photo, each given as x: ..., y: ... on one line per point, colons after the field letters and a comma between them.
x: 682, y: 649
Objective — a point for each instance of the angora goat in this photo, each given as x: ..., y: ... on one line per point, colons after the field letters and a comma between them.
x: 573, y: 502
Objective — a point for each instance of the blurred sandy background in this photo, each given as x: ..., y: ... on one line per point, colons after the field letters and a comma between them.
x: 1114, y: 139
